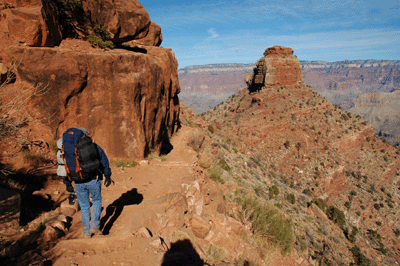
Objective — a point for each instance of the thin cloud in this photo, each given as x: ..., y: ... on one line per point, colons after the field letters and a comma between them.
x: 327, y: 46
x: 213, y: 33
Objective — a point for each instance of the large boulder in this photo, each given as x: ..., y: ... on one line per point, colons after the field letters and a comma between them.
x: 278, y: 67
x: 126, y: 20
x: 127, y: 100
x: 47, y: 23
x: 153, y: 38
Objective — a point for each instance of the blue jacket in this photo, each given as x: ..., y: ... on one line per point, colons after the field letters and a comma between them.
x: 70, y: 138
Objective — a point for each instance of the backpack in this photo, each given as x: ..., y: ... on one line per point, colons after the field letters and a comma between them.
x: 81, y: 156
x: 60, y: 160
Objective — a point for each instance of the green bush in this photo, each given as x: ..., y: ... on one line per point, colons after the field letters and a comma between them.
x: 352, y: 236
x: 101, y: 37
x: 124, y: 163
x: 224, y: 165
x: 211, y: 129
x: 267, y: 221
x: 307, y: 192
x: 287, y: 144
x: 96, y: 41
x: 320, y: 204
x: 215, y: 175
x: 291, y: 198
x: 273, y: 191
x: 359, y: 258
x: 336, y: 215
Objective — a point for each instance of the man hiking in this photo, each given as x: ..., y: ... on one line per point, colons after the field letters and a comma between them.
x: 85, y: 164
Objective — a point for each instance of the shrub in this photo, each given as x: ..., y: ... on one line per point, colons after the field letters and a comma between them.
x: 224, y: 165
x: 211, y: 129
x: 287, y: 144
x: 307, y: 192
x: 336, y: 215
x: 215, y: 175
x: 352, y: 236
x: 320, y: 204
x: 101, y: 37
x: 13, y: 103
x: 124, y: 163
x: 359, y: 258
x: 291, y: 198
x: 267, y: 221
x: 273, y: 191
x: 214, y: 254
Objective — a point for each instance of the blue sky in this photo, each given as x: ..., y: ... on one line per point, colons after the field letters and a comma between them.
x: 219, y: 31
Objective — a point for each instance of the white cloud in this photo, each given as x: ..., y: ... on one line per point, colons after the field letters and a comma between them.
x: 213, y: 33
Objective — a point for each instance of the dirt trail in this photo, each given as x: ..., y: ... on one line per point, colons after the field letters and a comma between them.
x: 127, y: 204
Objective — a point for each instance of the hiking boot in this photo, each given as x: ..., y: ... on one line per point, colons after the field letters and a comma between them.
x: 96, y: 231
x: 71, y: 199
x: 87, y: 236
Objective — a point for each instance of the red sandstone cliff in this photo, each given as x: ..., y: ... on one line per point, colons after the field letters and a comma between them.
x: 126, y: 97
x: 278, y: 67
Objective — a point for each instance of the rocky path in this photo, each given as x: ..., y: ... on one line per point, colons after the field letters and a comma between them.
x: 137, y: 200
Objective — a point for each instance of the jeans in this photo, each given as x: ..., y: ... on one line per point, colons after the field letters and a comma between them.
x: 82, y: 192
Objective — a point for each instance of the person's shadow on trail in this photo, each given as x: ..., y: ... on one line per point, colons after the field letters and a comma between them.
x: 182, y: 253
x: 114, y: 210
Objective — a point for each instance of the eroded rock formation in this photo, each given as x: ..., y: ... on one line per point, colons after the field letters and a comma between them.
x: 278, y: 67
x: 126, y: 97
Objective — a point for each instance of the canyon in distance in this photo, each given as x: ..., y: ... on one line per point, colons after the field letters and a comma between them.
x: 369, y: 88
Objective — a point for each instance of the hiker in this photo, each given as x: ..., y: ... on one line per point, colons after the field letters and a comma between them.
x: 86, y: 162
x: 63, y: 174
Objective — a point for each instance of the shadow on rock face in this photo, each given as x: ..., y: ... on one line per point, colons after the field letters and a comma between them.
x: 135, y: 49
x: 182, y: 253
x: 114, y: 210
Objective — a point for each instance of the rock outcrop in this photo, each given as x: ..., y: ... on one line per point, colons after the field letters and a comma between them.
x: 126, y: 97
x: 46, y: 23
x: 278, y: 67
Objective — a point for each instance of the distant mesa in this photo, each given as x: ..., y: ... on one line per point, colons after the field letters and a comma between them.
x: 278, y: 67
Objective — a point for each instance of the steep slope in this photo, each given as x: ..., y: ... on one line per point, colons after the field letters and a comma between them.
x: 290, y: 147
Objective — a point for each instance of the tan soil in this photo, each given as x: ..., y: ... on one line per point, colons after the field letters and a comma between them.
x: 121, y: 247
